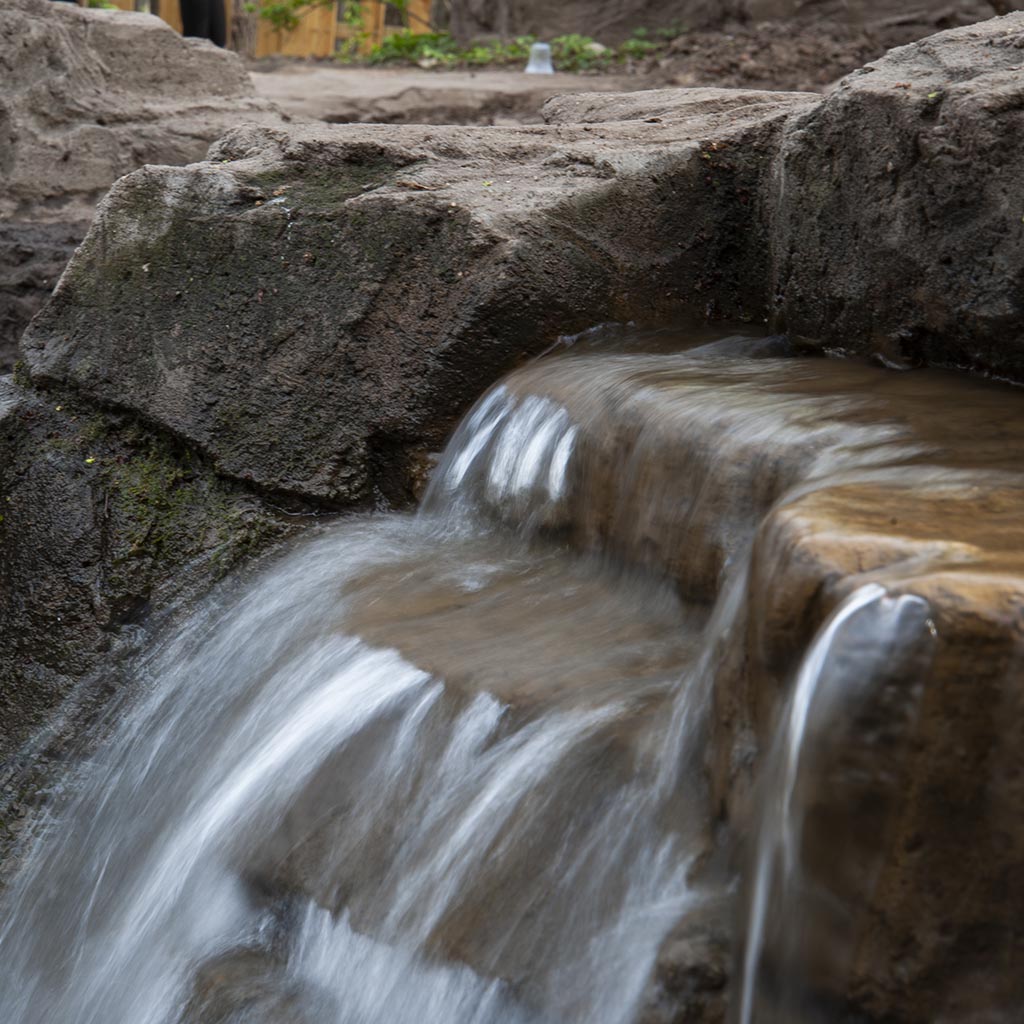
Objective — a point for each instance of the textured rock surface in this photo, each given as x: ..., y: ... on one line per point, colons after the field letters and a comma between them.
x: 899, y: 224
x: 88, y: 96
x: 911, y: 801
x: 101, y: 523
x: 911, y: 790
x: 313, y: 308
x: 32, y: 258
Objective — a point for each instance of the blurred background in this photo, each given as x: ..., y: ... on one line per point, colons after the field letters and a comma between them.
x: 807, y: 42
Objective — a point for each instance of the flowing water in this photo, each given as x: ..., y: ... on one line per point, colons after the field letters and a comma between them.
x: 451, y: 767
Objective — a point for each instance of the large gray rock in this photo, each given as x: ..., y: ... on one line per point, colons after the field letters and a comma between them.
x: 899, y: 225
x: 89, y: 95
x: 313, y: 308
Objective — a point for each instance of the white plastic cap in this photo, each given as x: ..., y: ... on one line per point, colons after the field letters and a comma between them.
x: 540, y: 60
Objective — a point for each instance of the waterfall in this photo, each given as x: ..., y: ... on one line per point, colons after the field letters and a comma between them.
x: 871, y: 634
x: 266, y: 718
x: 451, y: 766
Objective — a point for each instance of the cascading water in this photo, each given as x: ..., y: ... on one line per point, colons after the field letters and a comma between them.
x: 870, y: 637
x: 450, y: 767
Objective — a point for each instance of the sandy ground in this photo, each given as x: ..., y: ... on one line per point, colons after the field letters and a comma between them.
x: 394, y: 95
x: 803, y: 56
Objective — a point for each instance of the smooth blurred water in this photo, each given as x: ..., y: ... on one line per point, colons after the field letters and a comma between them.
x: 486, y: 861
x: 451, y: 767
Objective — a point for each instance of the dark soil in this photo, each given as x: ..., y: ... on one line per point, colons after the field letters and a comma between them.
x: 772, y: 55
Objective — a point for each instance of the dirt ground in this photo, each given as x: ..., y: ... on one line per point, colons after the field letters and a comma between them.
x: 771, y: 55
x: 338, y: 94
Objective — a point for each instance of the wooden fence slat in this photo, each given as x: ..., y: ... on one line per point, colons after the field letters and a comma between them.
x: 317, y: 33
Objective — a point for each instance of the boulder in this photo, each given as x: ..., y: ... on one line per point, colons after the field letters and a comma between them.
x: 314, y: 307
x: 898, y: 227
x: 814, y: 478
x: 90, y: 95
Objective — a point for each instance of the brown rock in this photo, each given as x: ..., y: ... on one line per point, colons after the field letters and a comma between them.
x: 896, y: 227
x: 314, y: 307
x: 88, y: 96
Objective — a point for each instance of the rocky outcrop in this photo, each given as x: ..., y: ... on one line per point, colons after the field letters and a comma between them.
x: 794, y: 483
x: 274, y: 305
x: 88, y: 96
x: 103, y: 524
x: 898, y: 226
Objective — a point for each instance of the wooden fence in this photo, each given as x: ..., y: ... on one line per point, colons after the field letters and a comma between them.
x: 319, y: 32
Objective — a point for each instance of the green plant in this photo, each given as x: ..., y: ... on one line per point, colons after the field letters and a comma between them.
x: 572, y: 53
x: 284, y: 15
x: 635, y: 48
x: 439, y: 48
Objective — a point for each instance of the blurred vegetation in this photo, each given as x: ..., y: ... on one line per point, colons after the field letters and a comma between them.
x: 573, y: 53
x: 284, y: 14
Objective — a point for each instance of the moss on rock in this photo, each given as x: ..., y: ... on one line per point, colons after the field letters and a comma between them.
x: 100, y: 518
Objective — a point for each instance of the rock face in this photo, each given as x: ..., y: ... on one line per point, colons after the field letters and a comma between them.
x: 898, y: 224
x: 273, y: 305
x: 908, y: 797
x: 88, y: 96
x: 101, y: 523
x: 908, y: 790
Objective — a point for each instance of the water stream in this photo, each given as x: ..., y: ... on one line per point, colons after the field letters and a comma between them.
x: 450, y: 767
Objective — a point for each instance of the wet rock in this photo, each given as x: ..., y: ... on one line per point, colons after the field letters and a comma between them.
x: 842, y: 475
x: 90, y: 95
x: 910, y: 855
x: 246, y: 987
x: 690, y: 980
x: 897, y: 230
x: 313, y: 308
x: 101, y: 520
